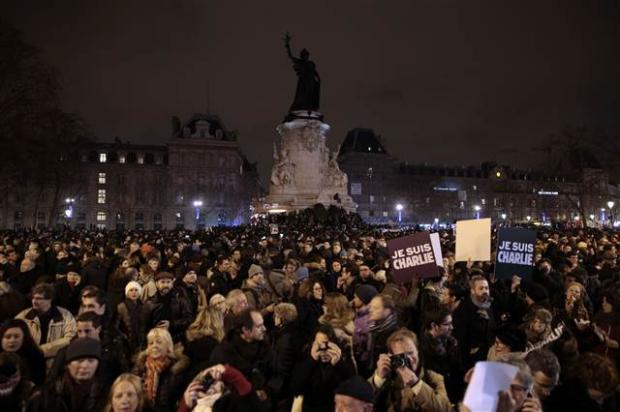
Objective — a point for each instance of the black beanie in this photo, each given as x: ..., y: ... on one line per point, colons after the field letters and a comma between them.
x: 513, y: 338
x: 535, y: 291
x: 82, y: 348
x: 356, y: 387
x: 366, y: 293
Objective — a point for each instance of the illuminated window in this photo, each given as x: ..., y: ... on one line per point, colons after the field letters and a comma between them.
x: 103, y: 157
x: 121, y: 159
x: 102, y: 178
x: 101, y: 217
x: 101, y: 196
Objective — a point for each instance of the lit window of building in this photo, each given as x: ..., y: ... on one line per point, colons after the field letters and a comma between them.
x: 101, y: 216
x: 103, y: 157
x: 101, y: 196
x: 102, y: 178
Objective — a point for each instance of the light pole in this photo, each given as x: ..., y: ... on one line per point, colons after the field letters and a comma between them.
x: 528, y: 218
x: 477, y: 209
x: 611, y: 205
x: 399, y: 209
x: 69, y: 209
x: 197, y: 205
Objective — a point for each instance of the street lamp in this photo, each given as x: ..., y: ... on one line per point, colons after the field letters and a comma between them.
x: 528, y: 218
x: 477, y: 209
x: 400, y: 208
x: 503, y: 215
x: 69, y: 208
x: 197, y: 204
x: 610, y: 205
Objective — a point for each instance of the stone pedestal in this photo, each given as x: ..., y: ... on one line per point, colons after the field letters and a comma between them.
x: 304, y: 172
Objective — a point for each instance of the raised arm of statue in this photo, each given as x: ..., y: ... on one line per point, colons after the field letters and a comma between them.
x: 287, y: 45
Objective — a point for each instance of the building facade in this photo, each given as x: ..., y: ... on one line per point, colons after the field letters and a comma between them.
x: 199, y: 178
x: 388, y: 190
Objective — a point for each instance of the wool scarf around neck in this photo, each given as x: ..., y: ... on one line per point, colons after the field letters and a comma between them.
x: 154, y: 368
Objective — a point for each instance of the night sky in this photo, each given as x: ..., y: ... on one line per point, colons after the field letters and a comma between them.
x: 445, y: 82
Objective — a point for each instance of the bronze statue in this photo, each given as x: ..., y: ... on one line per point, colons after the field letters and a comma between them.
x: 308, y: 90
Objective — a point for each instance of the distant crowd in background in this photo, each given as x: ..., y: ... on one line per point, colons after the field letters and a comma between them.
x: 302, y: 316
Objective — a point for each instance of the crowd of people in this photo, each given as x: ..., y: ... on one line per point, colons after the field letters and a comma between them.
x: 306, y: 319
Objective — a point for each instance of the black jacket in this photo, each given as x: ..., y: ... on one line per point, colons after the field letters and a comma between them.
x: 473, y: 332
x: 316, y: 381
x: 57, y: 396
x: 172, y: 307
x: 172, y: 382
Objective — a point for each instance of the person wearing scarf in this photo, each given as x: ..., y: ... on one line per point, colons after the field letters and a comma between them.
x: 383, y: 321
x: 162, y: 369
x: 474, y: 323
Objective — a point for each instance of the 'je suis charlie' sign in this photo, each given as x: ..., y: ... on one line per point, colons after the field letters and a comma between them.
x: 412, y: 255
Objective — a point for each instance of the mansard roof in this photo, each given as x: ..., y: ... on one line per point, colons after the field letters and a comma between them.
x: 362, y: 140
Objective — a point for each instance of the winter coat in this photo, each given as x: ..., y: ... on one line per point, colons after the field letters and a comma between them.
x: 308, y: 313
x: 172, y: 381
x: 69, y: 297
x: 474, y: 333
x: 428, y: 395
x: 60, y: 331
x: 316, y: 381
x: 172, y: 307
x: 442, y: 355
x: 573, y: 396
x: 56, y: 397
x: 286, y: 352
x: 253, y: 359
x: 127, y: 321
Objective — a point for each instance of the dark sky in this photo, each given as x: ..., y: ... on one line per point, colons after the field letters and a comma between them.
x: 445, y: 82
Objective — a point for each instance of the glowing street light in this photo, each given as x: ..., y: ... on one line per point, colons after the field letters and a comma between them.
x: 399, y: 209
x: 503, y: 215
x: 477, y: 209
x: 611, y: 204
x: 197, y: 204
x: 591, y: 217
x: 528, y: 218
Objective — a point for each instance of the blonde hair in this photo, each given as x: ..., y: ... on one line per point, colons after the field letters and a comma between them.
x: 337, y: 309
x: 232, y: 297
x: 167, y: 338
x: 208, y: 322
x: 287, y: 311
x: 132, y: 379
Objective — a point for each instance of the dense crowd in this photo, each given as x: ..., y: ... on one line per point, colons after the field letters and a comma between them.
x: 306, y: 319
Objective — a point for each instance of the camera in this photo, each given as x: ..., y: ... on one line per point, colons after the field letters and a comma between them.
x: 399, y: 361
x: 323, y: 346
x: 207, y: 381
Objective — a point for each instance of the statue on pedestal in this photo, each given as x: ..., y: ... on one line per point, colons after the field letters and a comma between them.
x: 308, y: 92
x: 283, y: 172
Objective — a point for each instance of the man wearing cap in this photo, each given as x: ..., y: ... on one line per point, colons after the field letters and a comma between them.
x: 168, y: 309
x: 79, y: 388
x: 363, y: 296
x: 254, y: 288
x: 354, y: 395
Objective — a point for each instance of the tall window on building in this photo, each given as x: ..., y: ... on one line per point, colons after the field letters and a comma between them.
x: 101, y: 217
x: 101, y: 196
x: 101, y: 178
x: 103, y: 157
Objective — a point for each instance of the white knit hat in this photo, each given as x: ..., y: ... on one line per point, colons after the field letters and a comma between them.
x: 133, y: 284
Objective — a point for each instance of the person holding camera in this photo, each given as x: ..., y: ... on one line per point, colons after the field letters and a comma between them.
x: 400, y: 381
x: 218, y: 388
x: 316, y: 377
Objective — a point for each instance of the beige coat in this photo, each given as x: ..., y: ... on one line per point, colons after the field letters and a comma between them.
x: 60, y: 331
x: 428, y: 395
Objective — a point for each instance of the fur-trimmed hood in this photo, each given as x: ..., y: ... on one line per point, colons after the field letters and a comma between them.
x: 178, y: 366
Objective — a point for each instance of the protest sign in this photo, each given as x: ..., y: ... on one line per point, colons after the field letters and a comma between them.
x: 437, y: 248
x: 412, y: 255
x: 274, y: 229
x: 487, y: 380
x: 473, y: 240
x: 515, y: 253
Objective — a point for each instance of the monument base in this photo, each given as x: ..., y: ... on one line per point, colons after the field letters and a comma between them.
x: 305, y: 172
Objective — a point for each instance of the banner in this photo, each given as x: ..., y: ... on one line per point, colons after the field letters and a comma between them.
x: 515, y: 253
x: 473, y: 240
x: 412, y: 255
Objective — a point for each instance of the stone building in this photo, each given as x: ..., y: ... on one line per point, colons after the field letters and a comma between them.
x: 199, y: 178
x: 379, y: 183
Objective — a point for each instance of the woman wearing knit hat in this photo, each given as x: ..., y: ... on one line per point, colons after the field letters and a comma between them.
x: 128, y: 314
